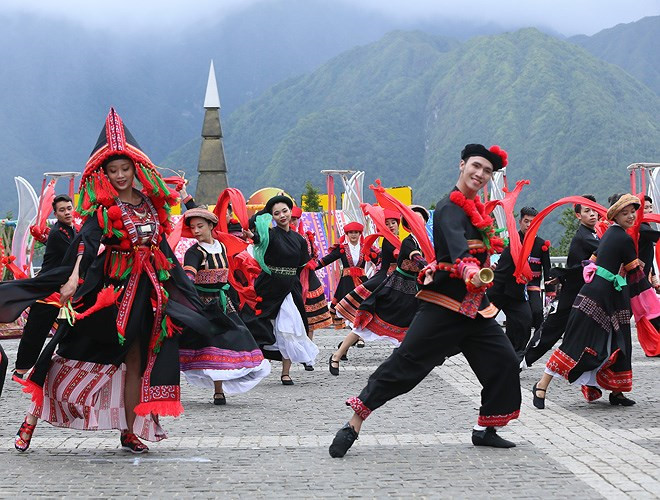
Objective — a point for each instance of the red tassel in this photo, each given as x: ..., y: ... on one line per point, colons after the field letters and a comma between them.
x: 161, y: 261
x: 35, y: 390
x: 161, y: 408
x: 105, y: 298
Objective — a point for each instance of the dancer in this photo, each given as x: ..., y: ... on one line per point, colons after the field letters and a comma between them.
x: 117, y: 361
x: 349, y: 252
x: 279, y: 322
x: 648, y: 237
x: 539, y: 263
x: 42, y: 316
x: 511, y: 297
x: 596, y: 350
x: 230, y: 363
x: 316, y: 305
x: 347, y: 308
x: 583, y: 246
x: 387, y: 312
x: 454, y: 313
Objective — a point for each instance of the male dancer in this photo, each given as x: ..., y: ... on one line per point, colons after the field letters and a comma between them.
x: 512, y: 297
x: 454, y: 314
x: 42, y: 316
x: 584, y: 244
x: 539, y: 263
x: 648, y: 237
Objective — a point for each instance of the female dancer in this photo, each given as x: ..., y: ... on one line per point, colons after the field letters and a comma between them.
x: 117, y: 362
x: 347, y: 308
x: 596, y: 350
x: 388, y: 311
x: 233, y: 356
x: 279, y: 322
x: 352, y: 262
x: 316, y: 306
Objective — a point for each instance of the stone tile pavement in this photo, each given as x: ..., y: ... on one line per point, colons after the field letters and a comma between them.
x: 272, y: 442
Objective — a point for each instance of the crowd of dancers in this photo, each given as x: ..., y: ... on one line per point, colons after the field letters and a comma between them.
x: 130, y: 317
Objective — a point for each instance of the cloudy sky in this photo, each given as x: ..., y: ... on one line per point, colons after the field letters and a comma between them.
x: 568, y: 17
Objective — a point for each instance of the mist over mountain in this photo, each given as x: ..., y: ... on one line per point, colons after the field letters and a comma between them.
x: 632, y: 46
x: 303, y: 84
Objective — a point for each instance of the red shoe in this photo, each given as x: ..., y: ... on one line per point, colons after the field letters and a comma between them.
x: 24, y: 436
x: 132, y: 443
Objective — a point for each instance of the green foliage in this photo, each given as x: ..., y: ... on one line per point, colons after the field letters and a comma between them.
x: 402, y: 109
x: 311, y: 201
x: 570, y: 224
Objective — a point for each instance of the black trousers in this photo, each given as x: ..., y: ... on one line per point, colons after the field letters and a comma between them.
x: 551, y: 330
x: 39, y: 322
x: 436, y: 333
x: 518, y: 321
x: 536, y: 305
x: 3, y: 368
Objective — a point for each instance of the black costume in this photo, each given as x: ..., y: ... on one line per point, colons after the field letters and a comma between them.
x: 583, y: 246
x: 42, y: 316
x: 539, y: 263
x: 284, y: 258
x: 451, y: 317
x: 352, y: 273
x: 648, y: 237
x: 388, y: 311
x: 596, y: 350
x: 511, y: 297
x: 349, y: 305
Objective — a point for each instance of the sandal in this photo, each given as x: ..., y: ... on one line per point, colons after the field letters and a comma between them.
x: 308, y: 368
x: 219, y: 399
x: 130, y: 442
x: 286, y: 382
x: 334, y: 370
x: 538, y: 402
x: 24, y: 436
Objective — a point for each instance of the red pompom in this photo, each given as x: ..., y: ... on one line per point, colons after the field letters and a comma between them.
x: 124, y: 234
x: 125, y: 244
x: 501, y: 153
x: 258, y: 311
x: 117, y: 224
x: 114, y: 213
x: 162, y: 215
x: 158, y: 202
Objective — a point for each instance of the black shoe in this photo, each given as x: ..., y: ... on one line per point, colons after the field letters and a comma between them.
x: 489, y: 437
x: 286, y: 381
x: 334, y: 370
x: 538, y: 402
x: 344, y: 357
x: 18, y: 377
x: 308, y: 368
x: 359, y: 343
x: 219, y: 399
x: 343, y: 440
x: 620, y: 399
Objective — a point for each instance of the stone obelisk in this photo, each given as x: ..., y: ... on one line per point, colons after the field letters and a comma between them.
x: 212, y: 167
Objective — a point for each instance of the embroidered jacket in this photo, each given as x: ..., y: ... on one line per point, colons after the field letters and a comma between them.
x: 456, y: 238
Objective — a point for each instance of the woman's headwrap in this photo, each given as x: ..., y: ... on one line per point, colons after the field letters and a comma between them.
x: 95, y: 188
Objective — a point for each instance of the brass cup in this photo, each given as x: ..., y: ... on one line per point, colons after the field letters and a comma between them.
x: 486, y: 275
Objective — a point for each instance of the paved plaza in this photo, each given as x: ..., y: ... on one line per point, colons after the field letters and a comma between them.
x: 273, y: 442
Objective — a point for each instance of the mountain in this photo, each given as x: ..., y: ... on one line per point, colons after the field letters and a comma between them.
x: 402, y: 108
x: 58, y: 79
x: 632, y: 46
